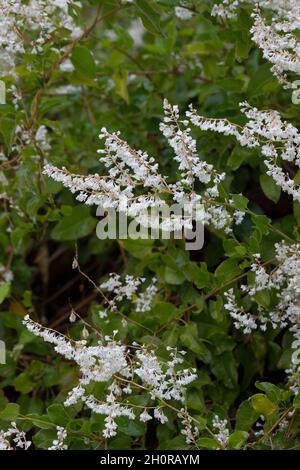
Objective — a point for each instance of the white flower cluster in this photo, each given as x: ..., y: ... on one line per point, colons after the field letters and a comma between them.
x: 222, y: 435
x: 190, y: 431
x: 67, y: 66
x: 41, y: 138
x: 113, y: 363
x: 242, y: 320
x: 110, y: 408
x: 27, y: 26
x: 59, y: 442
x: 166, y: 383
x: 137, y: 31
x: 128, y: 172
x: 279, y: 45
x: 280, y: 8
x: 5, y: 275
x: 96, y: 363
x: 129, y: 290
x: 132, y: 171
x: 67, y: 90
x: 184, y: 146
x: 278, y: 140
x: 144, y: 300
x: 16, y: 96
x: 284, y: 281
x: 278, y: 38
x: 183, y: 13
x: 294, y: 370
x: 13, y: 438
x: 226, y: 8
x: 262, y: 278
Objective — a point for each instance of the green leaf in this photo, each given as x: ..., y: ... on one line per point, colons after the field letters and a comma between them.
x: 237, y: 440
x: 149, y: 15
x: 228, y: 269
x: 4, y: 291
x: 262, y: 81
x: 263, y: 298
x: 296, y: 402
x: 245, y: 416
x: 261, y: 222
x: 240, y: 201
x: 173, y: 277
x: 225, y: 368
x: 273, y: 393
x: 131, y: 427
x: 23, y: 383
x: 177, y: 443
x: 262, y: 404
x: 191, y: 340
x: 216, y: 309
x: 296, y: 210
x: 270, y: 188
x: 199, y: 48
x: 198, y: 274
x: 208, y: 443
x: 76, y: 225
x: 83, y: 61
x: 138, y: 248
x: 120, y: 80
x: 10, y: 412
x: 195, y: 399
x: 164, y: 311
x: 238, y: 156
x: 242, y: 50
x: 7, y: 129
x: 41, y: 422
x: 57, y: 414
x: 44, y: 438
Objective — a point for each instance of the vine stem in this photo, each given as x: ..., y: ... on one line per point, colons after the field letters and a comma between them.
x: 49, y: 423
x: 269, y: 432
x: 210, y: 294
x: 165, y: 403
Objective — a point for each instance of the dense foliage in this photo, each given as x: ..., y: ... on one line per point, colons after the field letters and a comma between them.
x: 139, y: 343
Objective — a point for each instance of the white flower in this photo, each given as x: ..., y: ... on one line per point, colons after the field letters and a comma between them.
x: 13, y: 438
x: 129, y: 170
x: 58, y: 443
x: 66, y: 66
x: 119, y: 370
x: 190, y: 431
x: 67, y: 90
x: 278, y: 45
x: 128, y: 289
x: 276, y: 40
x: 41, y: 17
x: 282, y: 137
x: 5, y: 275
x: 159, y: 414
x: 136, y: 30
x: 183, y: 13
x: 222, y: 435
x: 144, y: 416
x: 283, y: 283
x: 41, y: 138
x: 238, y: 217
x: 242, y: 320
x: 144, y: 300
